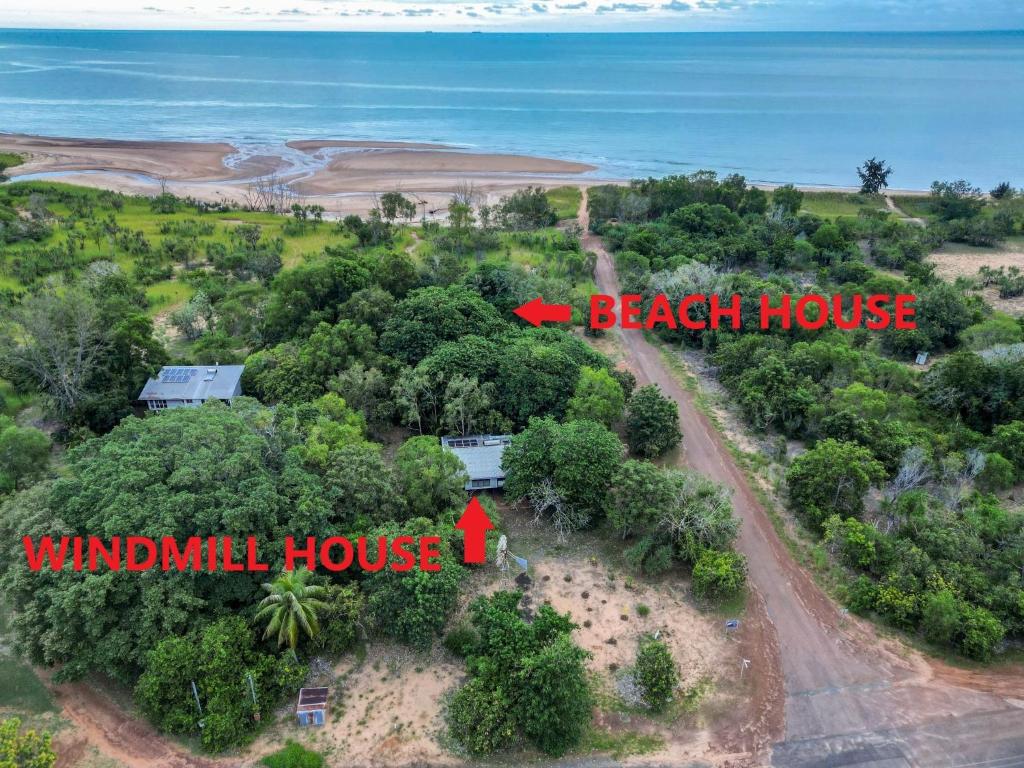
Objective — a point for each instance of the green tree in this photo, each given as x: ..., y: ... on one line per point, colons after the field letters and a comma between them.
x: 788, y: 199
x: 291, y: 606
x: 832, y: 478
x: 24, y: 749
x: 656, y: 673
x: 1008, y: 441
x: 466, y: 402
x: 208, y: 471
x: 554, y: 696
x: 576, y: 460
x: 220, y: 659
x: 598, y: 397
x: 395, y: 205
x: 24, y: 455
x: 874, y: 176
x: 339, y: 618
x: 361, y: 487
x: 998, y: 474
x: 431, y: 316
x: 526, y: 680
x: 431, y: 479
x: 413, y: 606
x: 639, y: 492
x: 718, y: 575
x: 652, y: 422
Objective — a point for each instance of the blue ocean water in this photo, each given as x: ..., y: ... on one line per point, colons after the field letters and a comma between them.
x: 776, y: 107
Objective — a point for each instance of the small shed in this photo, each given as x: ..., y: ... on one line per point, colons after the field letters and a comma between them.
x: 312, y: 706
x: 481, y: 455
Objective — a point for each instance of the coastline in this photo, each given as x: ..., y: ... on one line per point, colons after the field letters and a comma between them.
x: 344, y: 176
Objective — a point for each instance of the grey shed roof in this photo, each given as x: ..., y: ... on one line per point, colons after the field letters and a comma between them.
x: 193, y: 382
x: 480, y: 453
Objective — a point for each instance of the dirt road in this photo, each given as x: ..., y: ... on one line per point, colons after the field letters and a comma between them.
x: 116, y: 735
x: 848, y: 696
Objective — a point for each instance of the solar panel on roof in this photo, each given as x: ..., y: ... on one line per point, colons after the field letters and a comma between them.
x: 177, y: 375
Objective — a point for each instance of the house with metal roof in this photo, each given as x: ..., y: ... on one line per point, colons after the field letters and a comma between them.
x: 189, y: 386
x: 481, y: 455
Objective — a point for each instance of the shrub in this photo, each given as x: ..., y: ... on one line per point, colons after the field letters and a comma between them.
x: 997, y: 475
x: 24, y: 749
x: 718, y: 575
x: 652, y: 422
x: 527, y: 680
x: 981, y: 633
x: 656, y: 673
x: 642, y: 610
x: 462, y: 640
x: 293, y: 755
x: 940, y: 616
x: 481, y: 717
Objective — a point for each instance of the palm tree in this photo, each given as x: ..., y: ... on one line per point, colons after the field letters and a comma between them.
x: 292, y: 605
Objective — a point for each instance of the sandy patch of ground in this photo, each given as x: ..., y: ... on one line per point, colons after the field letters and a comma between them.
x: 386, y: 710
x: 953, y: 261
x: 388, y: 707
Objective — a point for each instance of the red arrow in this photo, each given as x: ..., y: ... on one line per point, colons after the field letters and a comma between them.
x: 474, y: 525
x: 536, y: 312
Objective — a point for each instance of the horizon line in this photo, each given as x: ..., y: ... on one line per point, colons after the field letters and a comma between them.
x: 992, y: 30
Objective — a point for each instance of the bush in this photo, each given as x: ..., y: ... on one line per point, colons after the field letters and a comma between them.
x: 656, y: 673
x: 24, y: 749
x: 652, y: 422
x: 981, y: 633
x: 219, y: 659
x: 481, y: 718
x: 940, y: 617
x: 462, y: 640
x: 294, y: 755
x: 527, y: 680
x: 998, y: 474
x: 718, y: 575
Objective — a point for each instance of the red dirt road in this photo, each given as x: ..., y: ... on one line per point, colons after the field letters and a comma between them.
x: 828, y: 685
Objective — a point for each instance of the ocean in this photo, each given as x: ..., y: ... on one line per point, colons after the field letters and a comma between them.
x: 776, y: 107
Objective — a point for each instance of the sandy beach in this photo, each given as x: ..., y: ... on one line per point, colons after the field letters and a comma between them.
x: 342, y: 175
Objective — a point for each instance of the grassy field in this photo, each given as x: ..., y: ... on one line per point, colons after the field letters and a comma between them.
x: 565, y: 201
x: 21, y: 691
x: 830, y: 205
x: 136, y: 215
x: 916, y: 206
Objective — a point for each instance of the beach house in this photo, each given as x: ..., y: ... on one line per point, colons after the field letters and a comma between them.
x: 189, y: 386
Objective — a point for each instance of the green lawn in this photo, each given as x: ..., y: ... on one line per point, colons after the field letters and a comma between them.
x: 167, y: 294
x: 916, y: 206
x: 20, y: 689
x: 830, y: 205
x: 565, y: 201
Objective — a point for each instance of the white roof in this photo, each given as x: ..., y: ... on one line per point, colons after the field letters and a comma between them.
x: 481, y: 454
x: 193, y: 382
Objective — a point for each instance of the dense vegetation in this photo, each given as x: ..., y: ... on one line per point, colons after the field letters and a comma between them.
x: 900, y: 467
x: 362, y: 342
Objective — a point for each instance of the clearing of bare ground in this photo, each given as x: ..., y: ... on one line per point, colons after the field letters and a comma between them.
x: 388, y: 702
x: 954, y: 260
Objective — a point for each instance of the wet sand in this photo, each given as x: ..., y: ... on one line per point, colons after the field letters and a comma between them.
x: 341, y: 175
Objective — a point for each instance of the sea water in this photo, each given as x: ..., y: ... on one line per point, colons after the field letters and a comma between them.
x: 775, y: 107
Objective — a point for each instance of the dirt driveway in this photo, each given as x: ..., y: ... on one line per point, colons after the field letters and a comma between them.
x: 831, y: 692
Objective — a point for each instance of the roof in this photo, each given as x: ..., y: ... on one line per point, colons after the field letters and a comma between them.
x: 193, y: 382
x: 481, y: 454
x: 311, y: 699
